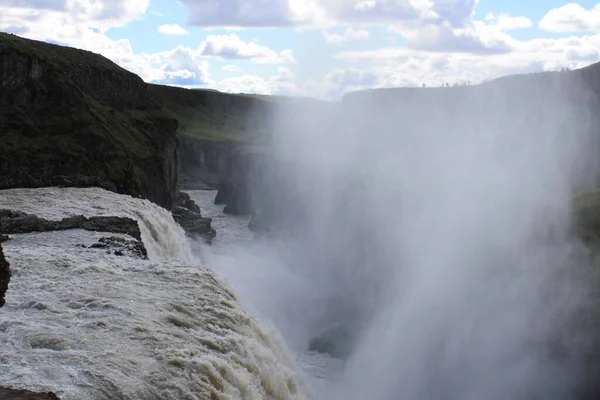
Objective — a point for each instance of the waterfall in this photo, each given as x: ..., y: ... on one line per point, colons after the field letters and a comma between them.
x: 89, y: 324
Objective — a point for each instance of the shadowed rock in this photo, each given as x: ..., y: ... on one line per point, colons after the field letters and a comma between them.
x: 121, y: 246
x: 20, y: 222
x: 184, y: 200
x: 17, y: 394
x: 194, y: 224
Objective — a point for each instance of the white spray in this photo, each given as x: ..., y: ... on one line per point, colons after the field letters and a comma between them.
x: 435, y: 227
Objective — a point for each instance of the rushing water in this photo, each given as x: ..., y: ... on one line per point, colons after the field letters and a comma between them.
x: 89, y: 324
x: 236, y: 256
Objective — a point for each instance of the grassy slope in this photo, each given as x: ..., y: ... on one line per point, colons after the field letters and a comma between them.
x: 72, y: 118
x: 215, y: 116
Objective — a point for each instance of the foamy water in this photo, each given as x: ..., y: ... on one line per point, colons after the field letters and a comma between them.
x: 88, y: 324
x: 237, y: 257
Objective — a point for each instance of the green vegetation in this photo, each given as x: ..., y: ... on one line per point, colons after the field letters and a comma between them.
x: 214, y: 116
x: 71, y: 113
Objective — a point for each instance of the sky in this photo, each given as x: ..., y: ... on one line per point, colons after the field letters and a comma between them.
x: 317, y: 48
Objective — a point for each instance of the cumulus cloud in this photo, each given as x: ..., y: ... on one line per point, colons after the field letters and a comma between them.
x: 56, y: 5
x: 506, y: 22
x: 350, y: 34
x: 230, y: 68
x: 232, y: 47
x: 476, y: 39
x: 485, y: 37
x: 271, y: 13
x: 82, y: 24
x: 571, y: 18
x: 280, y: 84
x: 47, y: 16
x: 180, y: 66
x: 172, y: 29
x: 410, y: 67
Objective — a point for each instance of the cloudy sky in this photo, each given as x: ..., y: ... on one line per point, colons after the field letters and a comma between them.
x: 319, y: 48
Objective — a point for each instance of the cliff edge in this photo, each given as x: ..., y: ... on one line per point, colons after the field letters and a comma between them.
x: 70, y: 117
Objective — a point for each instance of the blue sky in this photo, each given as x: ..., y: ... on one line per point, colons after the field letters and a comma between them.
x: 319, y: 48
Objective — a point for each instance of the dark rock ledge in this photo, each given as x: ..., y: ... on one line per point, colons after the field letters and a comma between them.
x: 17, y: 394
x: 20, y: 222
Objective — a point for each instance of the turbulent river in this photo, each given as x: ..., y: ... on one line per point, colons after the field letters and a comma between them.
x: 89, y: 324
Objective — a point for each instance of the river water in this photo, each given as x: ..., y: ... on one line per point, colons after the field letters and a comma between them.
x: 90, y: 324
x: 250, y: 268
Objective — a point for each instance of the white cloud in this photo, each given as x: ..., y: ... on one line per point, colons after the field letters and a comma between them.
x: 506, y: 22
x: 410, y: 67
x: 350, y: 34
x: 271, y: 13
x: 487, y: 36
x: 280, y: 84
x: 172, y: 29
x: 82, y: 24
x: 232, y: 47
x: 180, y: 66
x: 230, y: 68
x: 571, y: 18
x: 49, y: 17
x: 477, y: 38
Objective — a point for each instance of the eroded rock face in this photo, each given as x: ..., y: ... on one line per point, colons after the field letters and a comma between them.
x: 5, y: 275
x: 73, y: 118
x: 204, y: 163
x: 20, y: 222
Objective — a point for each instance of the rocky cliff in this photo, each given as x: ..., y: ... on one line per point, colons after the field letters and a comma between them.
x: 70, y: 117
x: 213, y: 127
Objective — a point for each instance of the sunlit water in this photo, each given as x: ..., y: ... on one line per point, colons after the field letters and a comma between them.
x: 88, y: 324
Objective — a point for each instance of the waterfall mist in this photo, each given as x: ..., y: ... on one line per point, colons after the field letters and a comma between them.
x: 431, y: 230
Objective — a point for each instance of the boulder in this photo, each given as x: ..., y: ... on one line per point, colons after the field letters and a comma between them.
x: 121, y: 246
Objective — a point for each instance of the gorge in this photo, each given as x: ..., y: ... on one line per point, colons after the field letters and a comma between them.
x: 427, y: 238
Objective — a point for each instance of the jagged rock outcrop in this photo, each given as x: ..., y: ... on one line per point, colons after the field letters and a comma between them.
x: 184, y: 200
x: 19, y: 394
x: 187, y: 214
x: 5, y: 275
x: 70, y: 117
x: 194, y: 224
x: 120, y: 246
x: 20, y: 222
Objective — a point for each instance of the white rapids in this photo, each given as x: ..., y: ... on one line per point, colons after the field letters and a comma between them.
x: 88, y: 324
